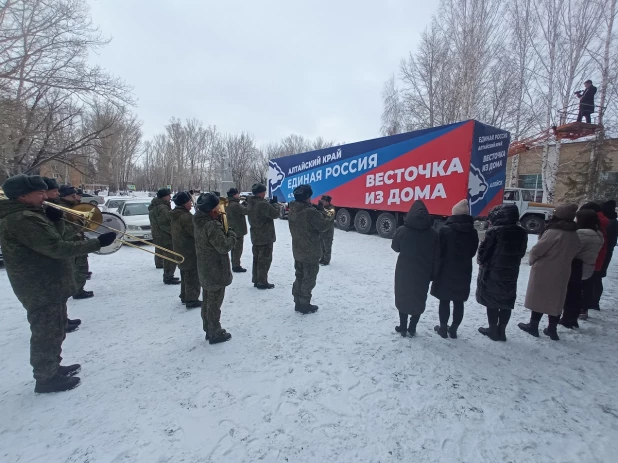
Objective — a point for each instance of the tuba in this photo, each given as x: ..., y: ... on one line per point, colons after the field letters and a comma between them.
x: 223, y: 202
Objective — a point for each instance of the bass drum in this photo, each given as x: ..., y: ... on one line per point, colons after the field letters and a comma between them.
x: 112, y: 221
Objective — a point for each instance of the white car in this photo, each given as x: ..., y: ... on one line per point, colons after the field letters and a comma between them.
x: 134, y: 212
x: 95, y: 200
x: 113, y: 203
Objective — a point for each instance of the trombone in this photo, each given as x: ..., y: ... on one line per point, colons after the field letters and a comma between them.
x: 90, y: 218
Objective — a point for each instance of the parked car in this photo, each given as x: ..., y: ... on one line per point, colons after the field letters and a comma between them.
x: 92, y: 199
x: 134, y: 212
x: 113, y: 203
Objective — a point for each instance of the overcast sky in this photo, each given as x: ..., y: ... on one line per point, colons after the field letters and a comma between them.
x: 270, y: 67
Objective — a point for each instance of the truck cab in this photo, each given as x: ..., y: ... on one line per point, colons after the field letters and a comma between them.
x: 532, y: 214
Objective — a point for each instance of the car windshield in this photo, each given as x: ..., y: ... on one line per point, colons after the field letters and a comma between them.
x: 114, y: 203
x: 136, y: 209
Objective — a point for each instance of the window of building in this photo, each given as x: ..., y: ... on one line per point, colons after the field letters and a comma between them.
x: 56, y: 175
x: 531, y: 181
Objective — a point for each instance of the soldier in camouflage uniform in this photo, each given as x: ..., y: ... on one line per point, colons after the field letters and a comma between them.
x: 327, y: 237
x: 236, y: 212
x: 261, y: 214
x: 68, y: 198
x: 39, y: 264
x: 183, y: 238
x: 213, y: 262
x: 160, y: 222
x: 306, y: 224
x: 57, y: 217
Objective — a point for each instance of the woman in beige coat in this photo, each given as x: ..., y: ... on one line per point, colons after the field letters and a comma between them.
x: 551, y: 261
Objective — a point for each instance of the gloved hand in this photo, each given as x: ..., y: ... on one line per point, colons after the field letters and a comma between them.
x: 320, y: 206
x: 231, y: 233
x: 274, y: 200
x: 106, y: 239
x: 53, y: 214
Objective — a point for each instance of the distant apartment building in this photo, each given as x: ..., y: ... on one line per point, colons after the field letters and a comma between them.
x: 573, y: 159
x: 64, y: 173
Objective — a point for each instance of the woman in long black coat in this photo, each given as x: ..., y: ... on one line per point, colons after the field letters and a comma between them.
x: 419, y: 251
x: 459, y: 241
x: 499, y: 257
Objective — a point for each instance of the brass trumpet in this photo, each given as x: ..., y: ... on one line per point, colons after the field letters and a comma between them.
x: 90, y: 218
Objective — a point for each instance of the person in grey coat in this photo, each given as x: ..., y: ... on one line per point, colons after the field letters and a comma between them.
x: 551, y: 261
x: 418, y: 246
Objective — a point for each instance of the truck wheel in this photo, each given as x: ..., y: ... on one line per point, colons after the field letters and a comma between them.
x: 363, y: 222
x: 386, y: 225
x: 343, y: 219
x: 534, y: 224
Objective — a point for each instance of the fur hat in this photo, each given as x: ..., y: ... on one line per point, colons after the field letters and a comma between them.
x: 461, y: 208
x: 22, y: 184
x: 181, y: 198
x: 565, y: 211
x: 66, y: 190
x: 207, y: 202
x: 232, y: 192
x: 326, y: 198
x: 163, y: 192
x: 303, y: 192
x: 52, y: 184
x: 592, y: 206
x: 258, y: 188
x: 216, y: 193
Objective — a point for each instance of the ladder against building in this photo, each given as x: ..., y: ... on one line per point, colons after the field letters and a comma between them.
x: 563, y: 131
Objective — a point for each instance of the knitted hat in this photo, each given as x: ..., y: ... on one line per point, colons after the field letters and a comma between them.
x: 565, y: 211
x: 258, y: 188
x: 232, y: 192
x: 163, y: 192
x: 181, y: 198
x: 303, y: 192
x: 207, y: 202
x: 66, y: 190
x: 52, y: 184
x: 22, y: 184
x: 461, y: 208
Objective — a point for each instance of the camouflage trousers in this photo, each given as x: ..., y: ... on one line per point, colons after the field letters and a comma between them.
x: 262, y: 258
x: 169, y: 267
x: 80, y: 271
x: 189, y: 285
x: 48, y: 328
x: 327, y: 247
x: 158, y: 262
x: 211, y: 310
x: 306, y: 276
x: 237, y: 251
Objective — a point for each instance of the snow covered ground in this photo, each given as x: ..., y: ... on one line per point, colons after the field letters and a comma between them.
x: 337, y: 386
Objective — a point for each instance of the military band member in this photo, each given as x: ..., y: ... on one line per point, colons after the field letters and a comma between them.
x: 327, y: 237
x: 161, y: 225
x: 261, y: 218
x: 183, y: 238
x: 236, y: 219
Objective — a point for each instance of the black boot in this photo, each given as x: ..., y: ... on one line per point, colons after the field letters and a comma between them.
x: 442, y: 331
x: 58, y: 383
x: 81, y: 294
x: 452, y: 331
x: 71, y: 328
x: 75, y: 321
x: 491, y: 332
x: 306, y: 309
x: 220, y: 336
x: 502, y: 333
x: 70, y: 370
x: 412, y: 326
x: 530, y: 328
x: 265, y: 286
x: 193, y: 304
x: 239, y: 270
x: 402, y: 330
x: 552, y: 329
x: 171, y: 281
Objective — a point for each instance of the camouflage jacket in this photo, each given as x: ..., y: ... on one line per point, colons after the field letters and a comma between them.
x: 160, y: 222
x: 183, y: 237
x: 261, y: 214
x: 236, y: 220
x: 69, y: 231
x: 329, y: 214
x: 212, y: 247
x: 306, y: 224
x: 39, y: 262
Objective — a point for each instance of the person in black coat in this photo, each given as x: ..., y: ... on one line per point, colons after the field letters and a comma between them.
x: 499, y: 257
x: 459, y: 241
x: 586, y: 101
x: 419, y: 252
x: 609, y: 210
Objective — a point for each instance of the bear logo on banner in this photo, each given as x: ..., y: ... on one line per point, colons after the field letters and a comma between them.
x: 275, y: 176
x: 477, y: 186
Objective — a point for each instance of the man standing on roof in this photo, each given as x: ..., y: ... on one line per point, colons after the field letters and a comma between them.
x: 586, y: 101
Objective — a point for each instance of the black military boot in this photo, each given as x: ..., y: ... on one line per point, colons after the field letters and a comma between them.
x: 75, y: 321
x: 239, y: 270
x: 306, y: 309
x: 58, y: 383
x: 81, y: 294
x: 441, y: 330
x: 70, y: 370
x: 193, y: 304
x: 265, y: 286
x: 172, y: 281
x: 219, y: 336
x: 531, y: 328
x: 70, y: 328
x: 491, y: 332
